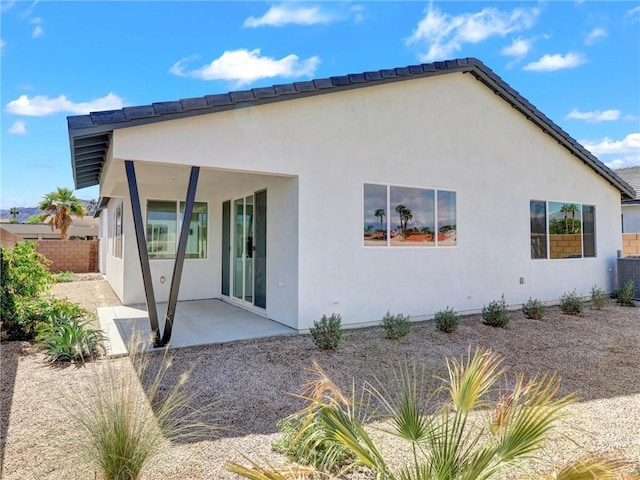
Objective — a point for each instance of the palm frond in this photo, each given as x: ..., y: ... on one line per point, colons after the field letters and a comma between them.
x: 598, y: 468
x: 471, y: 379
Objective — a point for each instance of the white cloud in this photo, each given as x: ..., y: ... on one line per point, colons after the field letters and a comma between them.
x: 518, y: 48
x: 549, y: 63
x: 594, y: 35
x: 634, y: 11
x: 285, y: 14
x: 2, y: 43
x: 38, y: 31
x: 4, y: 6
x: 246, y: 66
x: 443, y: 34
x: 41, y: 105
x: 619, y: 153
x: 18, y: 128
x: 594, y: 117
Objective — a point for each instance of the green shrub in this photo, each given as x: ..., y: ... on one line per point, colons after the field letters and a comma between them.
x: 447, y: 320
x: 327, y: 333
x: 626, y: 294
x: 599, y: 298
x: 571, y: 303
x: 69, y: 339
x: 63, y: 277
x: 304, y: 441
x: 534, y: 309
x: 496, y: 314
x: 396, y: 326
x: 31, y: 312
x: 27, y: 274
x: 8, y: 314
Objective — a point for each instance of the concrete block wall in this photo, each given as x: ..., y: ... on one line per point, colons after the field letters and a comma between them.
x: 630, y: 244
x: 561, y: 246
x: 79, y: 256
x: 8, y: 239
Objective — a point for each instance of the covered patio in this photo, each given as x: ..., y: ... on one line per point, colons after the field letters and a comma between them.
x: 197, y: 322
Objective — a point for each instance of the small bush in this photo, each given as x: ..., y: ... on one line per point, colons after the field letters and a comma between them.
x: 571, y: 303
x: 496, y: 314
x: 63, y: 277
x: 599, y: 298
x: 69, y: 340
x: 534, y: 309
x: 327, y: 333
x: 626, y: 294
x: 27, y: 274
x: 304, y: 441
x: 32, y: 312
x: 447, y: 320
x: 396, y: 326
x: 8, y: 312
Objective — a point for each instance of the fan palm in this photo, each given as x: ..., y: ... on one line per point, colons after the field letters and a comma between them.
x: 13, y: 211
x: 60, y: 206
x: 470, y: 436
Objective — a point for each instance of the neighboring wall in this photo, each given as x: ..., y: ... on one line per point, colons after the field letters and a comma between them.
x: 79, y: 256
x: 630, y: 244
x: 8, y: 239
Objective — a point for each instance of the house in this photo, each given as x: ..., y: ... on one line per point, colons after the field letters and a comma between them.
x: 409, y: 190
x: 631, y: 207
x: 85, y: 227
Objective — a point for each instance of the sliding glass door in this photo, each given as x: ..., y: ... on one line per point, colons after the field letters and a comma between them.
x: 244, y: 249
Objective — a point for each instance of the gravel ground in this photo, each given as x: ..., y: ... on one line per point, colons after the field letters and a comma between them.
x: 596, y: 355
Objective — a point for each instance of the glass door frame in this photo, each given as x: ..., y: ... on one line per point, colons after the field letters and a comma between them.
x: 244, y: 240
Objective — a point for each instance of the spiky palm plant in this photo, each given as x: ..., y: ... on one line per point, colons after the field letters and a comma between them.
x: 469, y: 436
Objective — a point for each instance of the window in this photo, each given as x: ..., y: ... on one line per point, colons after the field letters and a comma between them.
x: 164, y: 219
x: 407, y: 216
x: 562, y: 230
x: 117, y: 240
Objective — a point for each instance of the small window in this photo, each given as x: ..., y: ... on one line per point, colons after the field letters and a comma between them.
x: 163, y: 229
x: 408, y: 216
x: 562, y: 230
x: 117, y: 241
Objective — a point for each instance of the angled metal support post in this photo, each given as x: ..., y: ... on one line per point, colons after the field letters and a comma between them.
x: 180, y: 254
x: 142, y: 250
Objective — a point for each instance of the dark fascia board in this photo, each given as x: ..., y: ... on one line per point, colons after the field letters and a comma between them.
x: 100, y: 123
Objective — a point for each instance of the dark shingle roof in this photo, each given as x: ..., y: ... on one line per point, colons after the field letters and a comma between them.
x: 90, y: 135
x: 631, y: 175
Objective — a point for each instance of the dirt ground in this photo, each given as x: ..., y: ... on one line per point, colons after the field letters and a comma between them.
x: 596, y: 355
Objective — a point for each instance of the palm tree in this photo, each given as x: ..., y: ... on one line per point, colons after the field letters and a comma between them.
x: 60, y: 205
x: 405, y: 216
x: 380, y: 213
x: 13, y: 211
x: 469, y: 437
x: 573, y: 209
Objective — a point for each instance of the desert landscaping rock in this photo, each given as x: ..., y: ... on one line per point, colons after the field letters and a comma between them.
x: 596, y: 356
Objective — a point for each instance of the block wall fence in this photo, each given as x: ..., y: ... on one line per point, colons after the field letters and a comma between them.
x: 630, y: 244
x: 78, y: 256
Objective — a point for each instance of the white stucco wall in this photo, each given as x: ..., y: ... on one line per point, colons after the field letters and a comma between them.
x: 447, y: 132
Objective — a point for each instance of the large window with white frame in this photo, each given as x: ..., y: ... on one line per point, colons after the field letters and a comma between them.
x: 164, y: 220
x: 399, y: 216
x: 562, y: 229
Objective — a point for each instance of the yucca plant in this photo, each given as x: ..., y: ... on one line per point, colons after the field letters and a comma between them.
x: 453, y: 441
x: 127, y: 415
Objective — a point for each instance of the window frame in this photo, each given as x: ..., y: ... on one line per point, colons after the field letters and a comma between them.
x: 178, y: 217
x: 582, y: 207
x: 118, y: 238
x: 435, y: 192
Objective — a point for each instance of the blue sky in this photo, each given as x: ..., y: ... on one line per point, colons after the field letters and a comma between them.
x: 578, y: 62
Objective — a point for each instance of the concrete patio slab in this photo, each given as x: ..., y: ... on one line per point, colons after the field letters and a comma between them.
x: 197, y: 322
